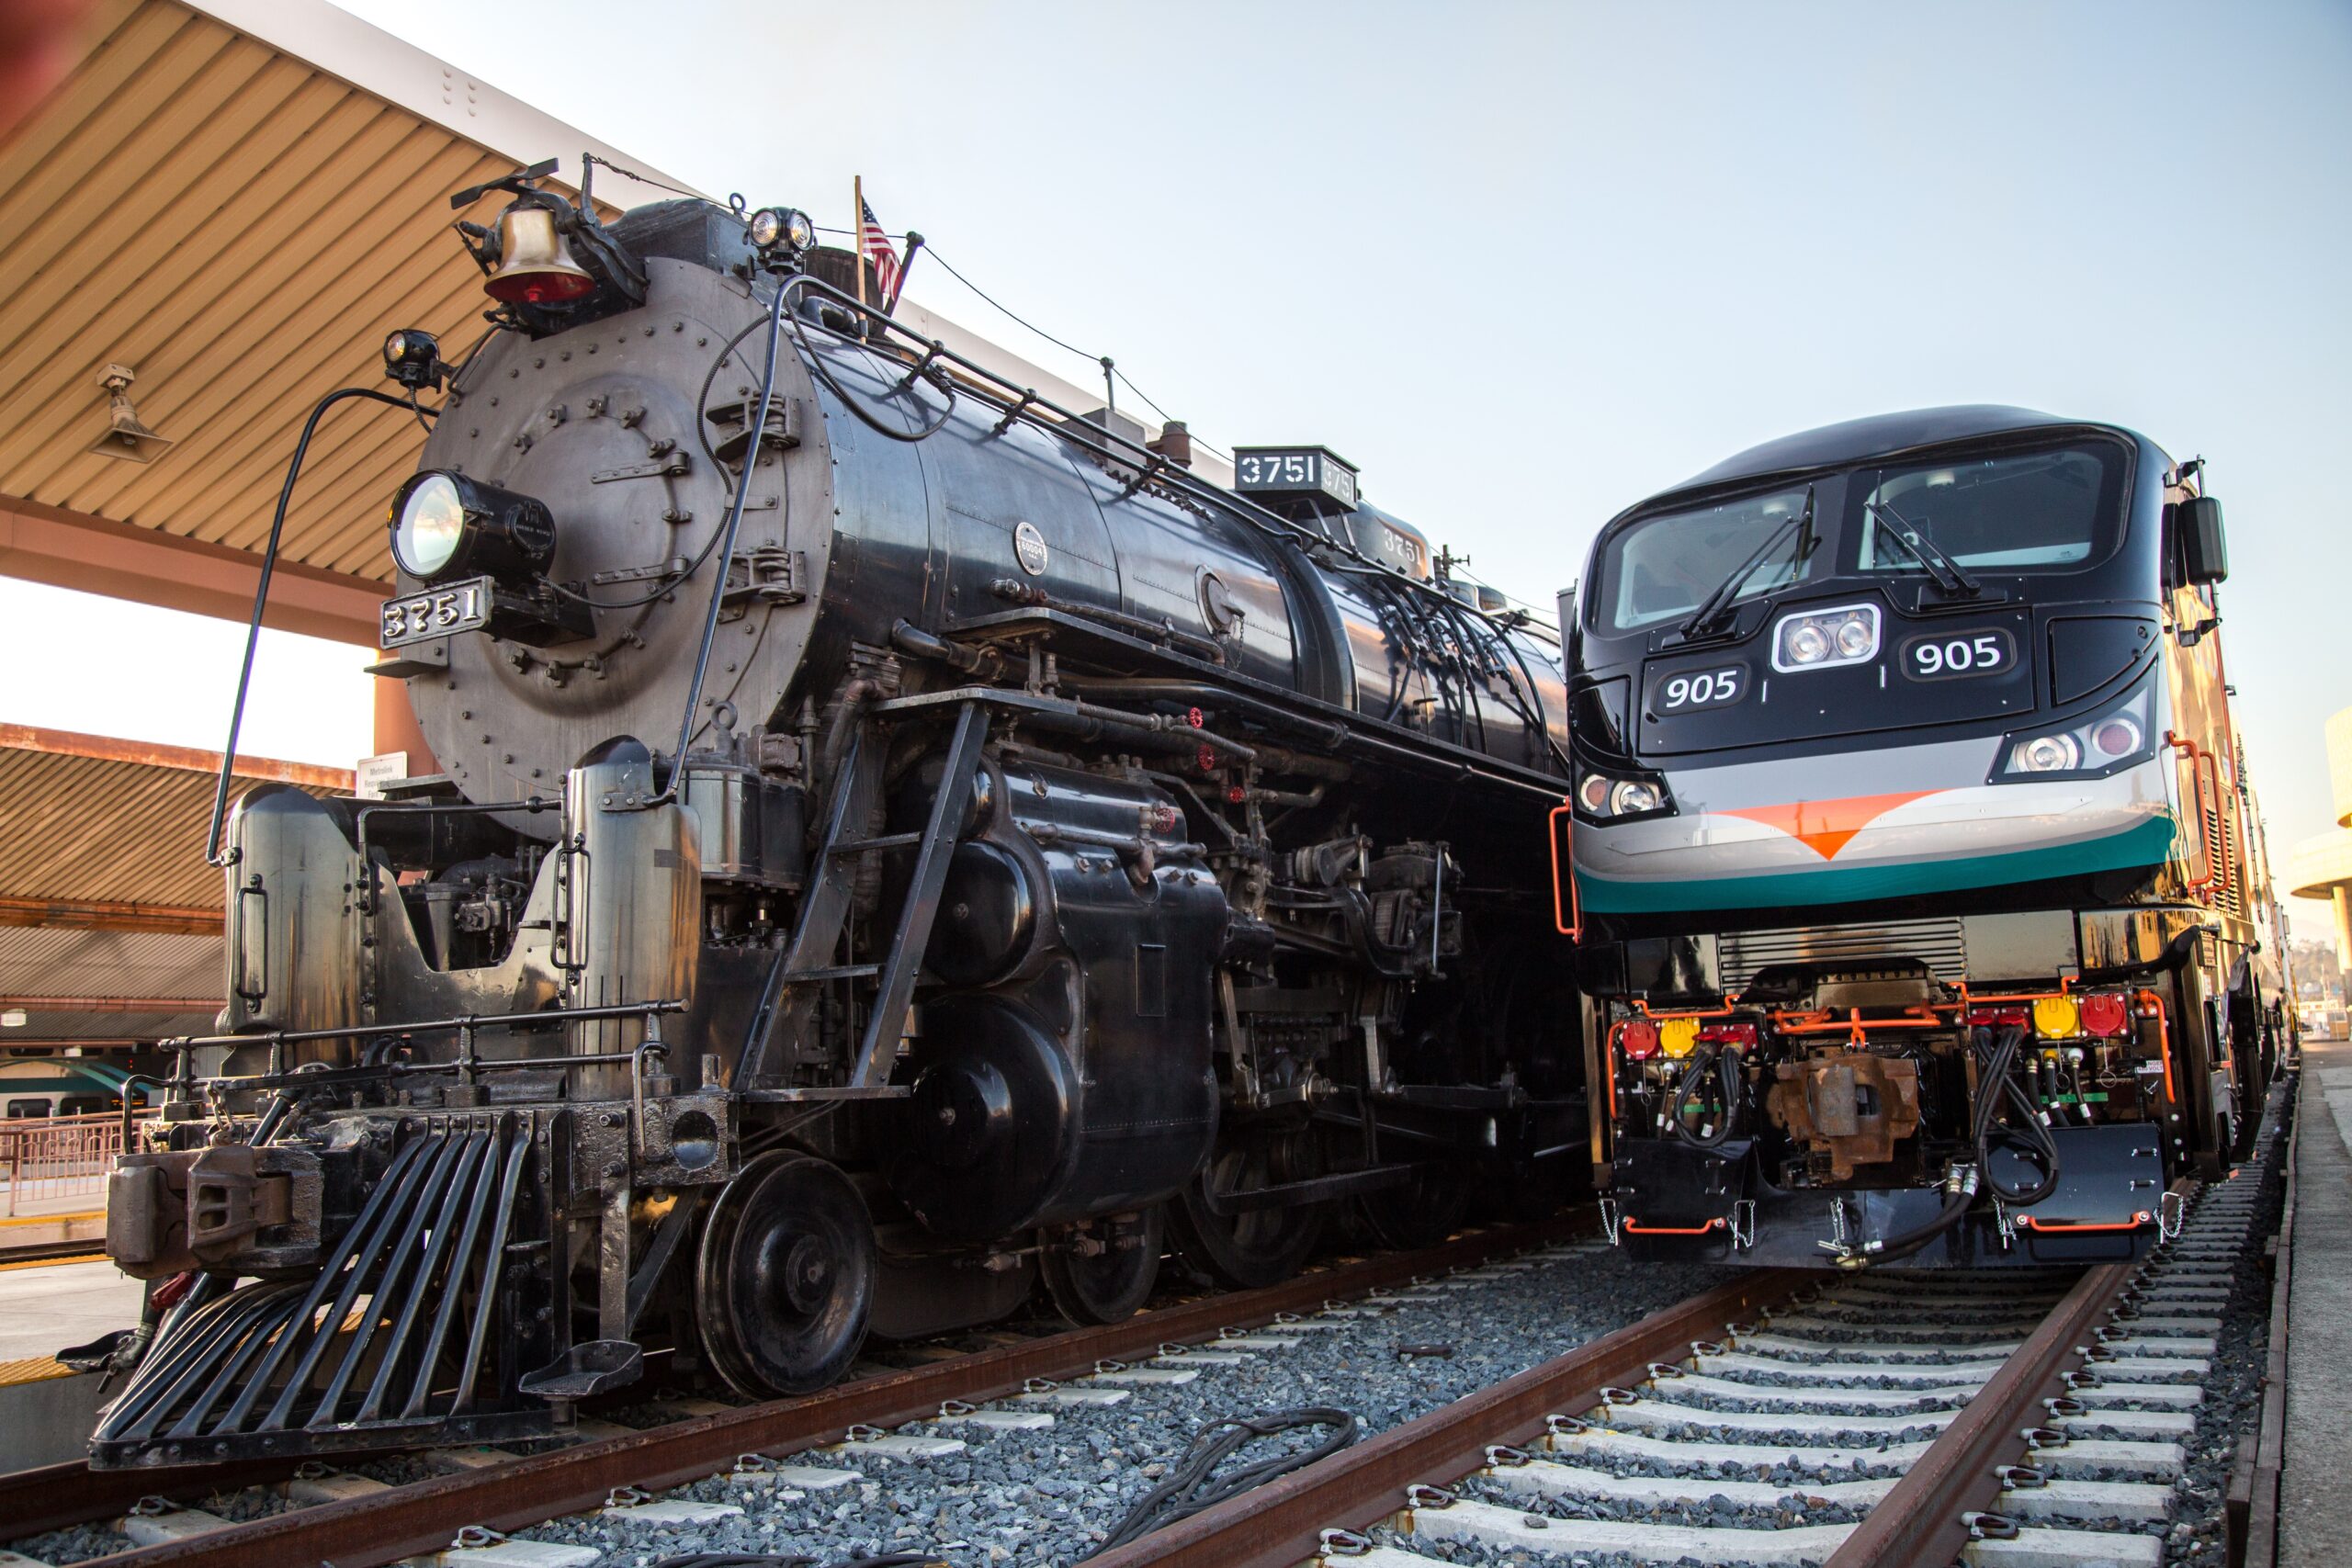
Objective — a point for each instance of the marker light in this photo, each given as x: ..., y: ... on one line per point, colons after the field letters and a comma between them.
x: 1677, y: 1035
x: 1822, y: 639
x: 1593, y: 794
x: 412, y: 357
x: 2057, y: 1017
x: 2104, y: 1014
x: 1638, y: 1039
x: 781, y: 226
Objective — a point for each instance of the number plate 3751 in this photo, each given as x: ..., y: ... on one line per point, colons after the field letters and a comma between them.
x: 436, y: 612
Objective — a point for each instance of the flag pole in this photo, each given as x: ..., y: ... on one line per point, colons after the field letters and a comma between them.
x: 857, y: 227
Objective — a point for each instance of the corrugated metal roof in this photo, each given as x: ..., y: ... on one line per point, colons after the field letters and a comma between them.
x: 85, y: 819
x: 243, y: 229
x: 38, y: 961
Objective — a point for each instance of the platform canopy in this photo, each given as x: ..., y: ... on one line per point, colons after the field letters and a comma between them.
x: 110, y: 919
x: 237, y: 201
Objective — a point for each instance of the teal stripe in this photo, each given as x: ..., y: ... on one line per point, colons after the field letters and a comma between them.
x: 2148, y: 844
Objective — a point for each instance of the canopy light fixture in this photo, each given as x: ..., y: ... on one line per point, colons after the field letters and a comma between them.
x: 126, y: 435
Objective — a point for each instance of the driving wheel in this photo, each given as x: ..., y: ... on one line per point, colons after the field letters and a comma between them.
x: 1421, y: 1212
x: 1109, y: 1286
x: 785, y: 1276
x: 1248, y: 1249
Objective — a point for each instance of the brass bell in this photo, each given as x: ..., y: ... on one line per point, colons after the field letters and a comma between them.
x: 535, y: 265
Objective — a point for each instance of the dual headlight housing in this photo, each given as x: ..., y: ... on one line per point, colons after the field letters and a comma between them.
x: 1824, y: 640
x: 445, y: 525
x: 2116, y: 738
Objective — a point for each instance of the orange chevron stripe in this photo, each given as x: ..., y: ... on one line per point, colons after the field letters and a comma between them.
x: 1824, y: 827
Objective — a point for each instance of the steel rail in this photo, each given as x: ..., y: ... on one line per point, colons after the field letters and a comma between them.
x: 1920, y: 1521
x: 425, y: 1515
x: 1277, y: 1525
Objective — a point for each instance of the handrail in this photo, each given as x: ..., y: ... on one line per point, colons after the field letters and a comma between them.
x: 1570, y: 925
x: 2202, y: 888
x: 1634, y: 1227
x: 2138, y: 1219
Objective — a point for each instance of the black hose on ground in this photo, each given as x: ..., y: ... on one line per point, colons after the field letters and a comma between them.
x: 797, y: 1560
x: 1192, y: 1484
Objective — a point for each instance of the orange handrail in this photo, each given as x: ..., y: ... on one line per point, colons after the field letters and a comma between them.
x: 1634, y: 1227
x: 2163, y: 1040
x: 2133, y: 1223
x: 2199, y: 759
x: 1570, y: 924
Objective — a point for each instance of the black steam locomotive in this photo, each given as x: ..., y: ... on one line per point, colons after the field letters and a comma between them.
x: 898, y: 842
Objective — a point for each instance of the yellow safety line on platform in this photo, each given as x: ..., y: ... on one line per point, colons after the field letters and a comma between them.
x: 97, y: 1256
x: 33, y: 1369
x: 54, y: 1218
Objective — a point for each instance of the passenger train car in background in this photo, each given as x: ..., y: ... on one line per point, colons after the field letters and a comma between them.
x: 897, y: 844
x: 1922, y: 898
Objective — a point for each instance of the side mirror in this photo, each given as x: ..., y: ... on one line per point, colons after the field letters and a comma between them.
x: 2202, y: 551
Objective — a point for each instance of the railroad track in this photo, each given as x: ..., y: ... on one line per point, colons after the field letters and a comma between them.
x: 353, y: 1521
x: 2031, y: 1421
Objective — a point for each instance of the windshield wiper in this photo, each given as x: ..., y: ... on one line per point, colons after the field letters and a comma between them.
x: 1711, y: 609
x: 1932, y: 557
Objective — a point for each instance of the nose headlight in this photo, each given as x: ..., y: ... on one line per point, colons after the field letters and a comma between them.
x: 445, y: 525
x: 1821, y: 640
x: 1631, y: 797
x: 2111, y: 740
x: 1601, y: 797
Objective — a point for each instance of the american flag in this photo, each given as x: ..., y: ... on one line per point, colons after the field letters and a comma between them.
x: 875, y: 244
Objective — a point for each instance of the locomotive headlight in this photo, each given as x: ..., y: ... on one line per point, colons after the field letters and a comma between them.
x: 2111, y: 740
x: 1629, y: 797
x: 1821, y: 640
x: 2049, y: 754
x: 428, y: 521
x: 445, y: 525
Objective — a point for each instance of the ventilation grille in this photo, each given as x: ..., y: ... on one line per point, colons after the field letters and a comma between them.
x: 1941, y: 944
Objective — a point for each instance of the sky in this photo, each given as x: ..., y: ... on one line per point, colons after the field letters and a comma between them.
x: 1527, y: 263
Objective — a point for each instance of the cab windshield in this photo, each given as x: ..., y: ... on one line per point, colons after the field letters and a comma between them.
x: 2052, y: 508
x: 1664, y: 568
x: 2024, y: 511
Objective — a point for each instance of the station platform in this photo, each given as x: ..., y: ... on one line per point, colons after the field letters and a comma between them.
x: 2314, y: 1505
x: 47, y: 1410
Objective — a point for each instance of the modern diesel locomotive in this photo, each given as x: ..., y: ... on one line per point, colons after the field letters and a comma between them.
x: 1924, y: 906
x: 896, y: 841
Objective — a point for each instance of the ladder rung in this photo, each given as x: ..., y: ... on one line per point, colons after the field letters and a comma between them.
x: 838, y: 972
x: 887, y: 842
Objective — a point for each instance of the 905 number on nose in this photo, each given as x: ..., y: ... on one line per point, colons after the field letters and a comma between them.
x: 1943, y: 656
x: 1687, y: 690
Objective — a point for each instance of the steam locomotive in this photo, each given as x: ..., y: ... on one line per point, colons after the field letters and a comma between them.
x: 897, y: 842
x: 1924, y: 906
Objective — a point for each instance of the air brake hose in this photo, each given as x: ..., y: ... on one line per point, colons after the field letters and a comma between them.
x: 1999, y: 1083
x: 1721, y: 1064
x: 1994, y: 1085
